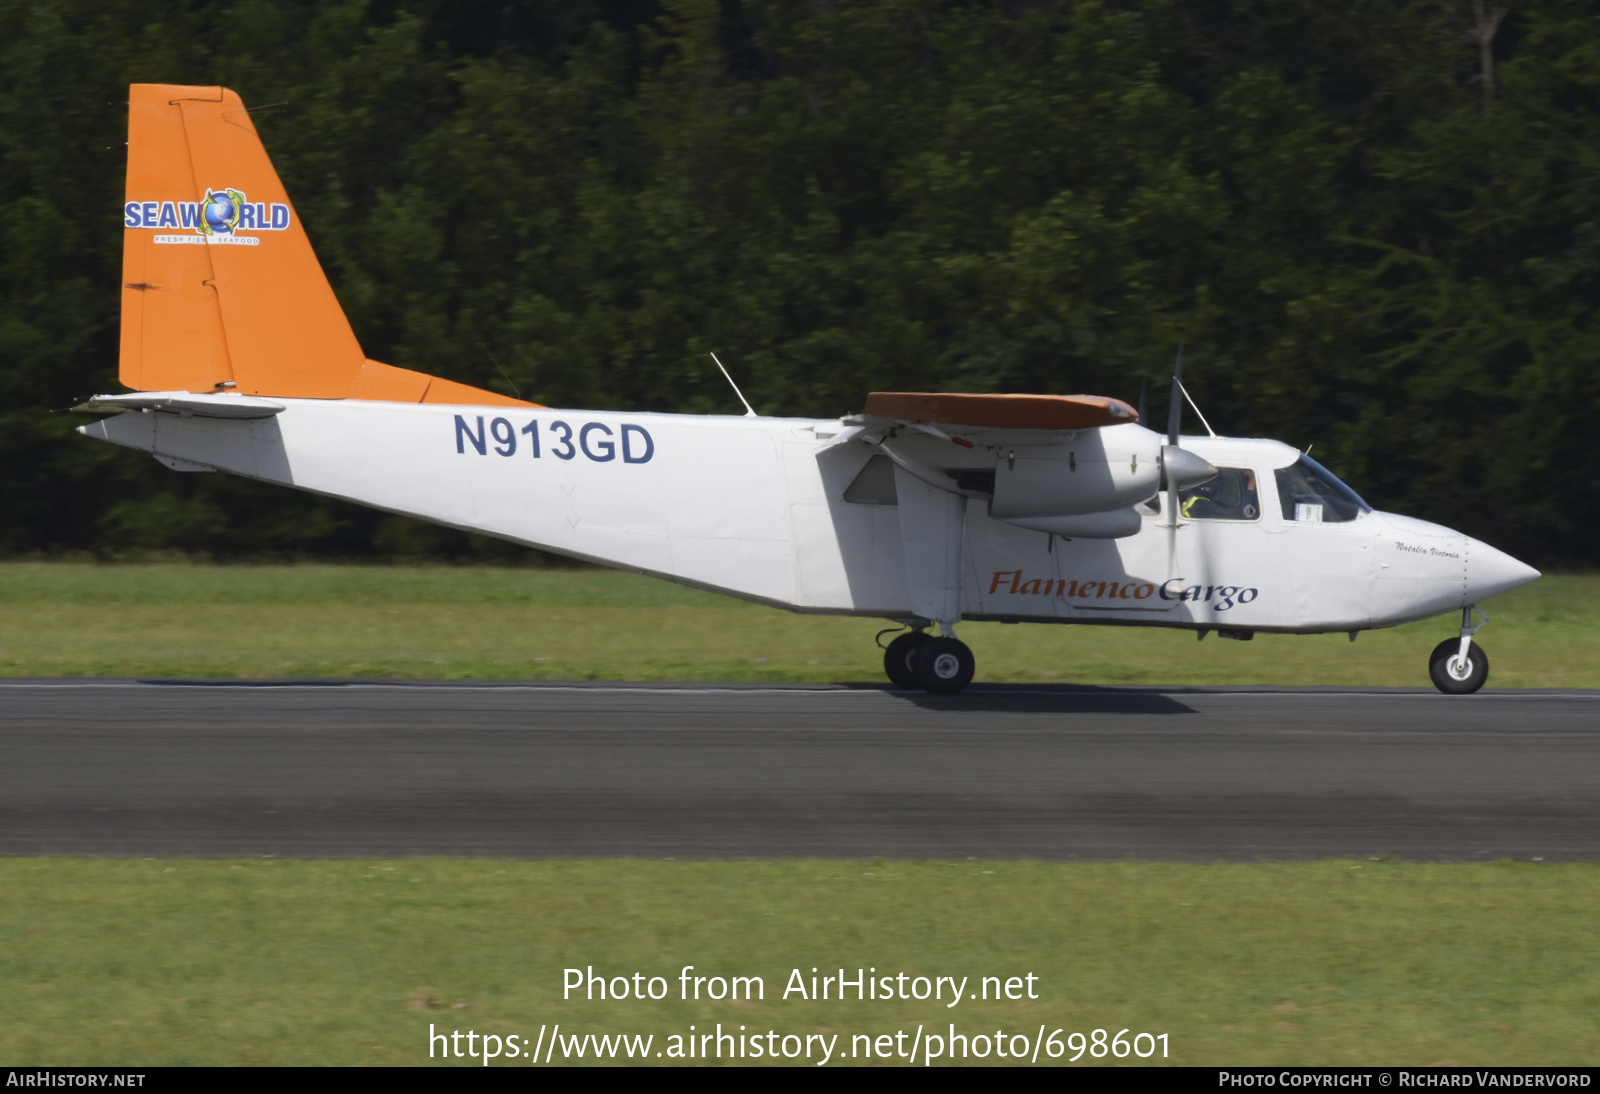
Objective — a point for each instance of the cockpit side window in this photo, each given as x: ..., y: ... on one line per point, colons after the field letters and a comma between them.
x: 1309, y: 492
x: 1230, y: 496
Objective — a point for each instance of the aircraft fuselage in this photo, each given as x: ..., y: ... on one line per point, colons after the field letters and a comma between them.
x: 787, y: 511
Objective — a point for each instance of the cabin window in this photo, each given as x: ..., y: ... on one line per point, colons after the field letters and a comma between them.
x: 1230, y: 496
x: 1309, y: 493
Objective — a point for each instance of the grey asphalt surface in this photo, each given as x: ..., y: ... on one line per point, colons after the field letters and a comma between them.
x: 345, y: 768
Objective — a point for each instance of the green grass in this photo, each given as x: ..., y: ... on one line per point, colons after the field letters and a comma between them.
x: 182, y: 962
x: 62, y: 619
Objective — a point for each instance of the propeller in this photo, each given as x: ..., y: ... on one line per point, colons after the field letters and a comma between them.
x: 1168, y: 453
x: 1180, y: 469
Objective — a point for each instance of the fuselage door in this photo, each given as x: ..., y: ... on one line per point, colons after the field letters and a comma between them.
x: 1326, y: 545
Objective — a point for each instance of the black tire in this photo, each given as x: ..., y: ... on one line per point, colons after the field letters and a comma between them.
x: 945, y: 666
x: 900, y: 659
x: 1452, y: 683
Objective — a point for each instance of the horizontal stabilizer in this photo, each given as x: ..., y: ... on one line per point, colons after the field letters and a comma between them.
x: 184, y: 403
x: 1002, y: 411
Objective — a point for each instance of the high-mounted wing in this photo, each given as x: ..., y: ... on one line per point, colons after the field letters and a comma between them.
x: 1002, y: 411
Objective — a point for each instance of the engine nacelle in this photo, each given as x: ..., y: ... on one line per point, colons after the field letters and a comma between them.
x: 1111, y: 524
x: 1092, y: 472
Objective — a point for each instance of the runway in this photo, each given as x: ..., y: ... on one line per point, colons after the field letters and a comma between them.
x: 349, y: 768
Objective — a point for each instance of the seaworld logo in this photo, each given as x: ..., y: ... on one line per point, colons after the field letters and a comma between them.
x: 219, y: 218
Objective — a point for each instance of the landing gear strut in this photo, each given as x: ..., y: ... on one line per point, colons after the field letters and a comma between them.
x: 940, y: 665
x: 1459, y: 666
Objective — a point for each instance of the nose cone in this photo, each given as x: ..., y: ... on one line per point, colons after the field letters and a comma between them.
x: 1491, y: 572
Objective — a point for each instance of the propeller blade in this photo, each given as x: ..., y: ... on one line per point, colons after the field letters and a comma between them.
x: 1173, y: 466
x: 1170, y: 481
x: 1175, y: 405
x: 1143, y: 417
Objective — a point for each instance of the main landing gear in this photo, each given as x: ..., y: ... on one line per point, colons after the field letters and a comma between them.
x: 938, y: 664
x: 1459, y: 666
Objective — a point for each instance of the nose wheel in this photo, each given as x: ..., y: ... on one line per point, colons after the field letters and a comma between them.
x: 939, y: 665
x: 1453, y: 675
x: 1458, y: 666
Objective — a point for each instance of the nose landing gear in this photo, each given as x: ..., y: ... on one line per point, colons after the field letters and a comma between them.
x: 1458, y: 666
x: 940, y: 665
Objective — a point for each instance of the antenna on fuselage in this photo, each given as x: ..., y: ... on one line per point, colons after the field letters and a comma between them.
x: 749, y: 412
x: 1196, y: 407
x: 1174, y: 406
x: 514, y: 389
x: 1143, y: 417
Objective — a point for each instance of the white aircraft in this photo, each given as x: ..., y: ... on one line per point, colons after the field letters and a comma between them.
x: 926, y: 509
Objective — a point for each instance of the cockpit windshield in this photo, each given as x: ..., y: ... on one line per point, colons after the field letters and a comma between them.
x: 1307, y: 491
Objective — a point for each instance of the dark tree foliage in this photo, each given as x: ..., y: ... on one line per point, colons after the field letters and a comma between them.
x: 1376, y: 225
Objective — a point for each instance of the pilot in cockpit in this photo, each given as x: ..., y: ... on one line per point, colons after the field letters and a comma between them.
x: 1229, y: 496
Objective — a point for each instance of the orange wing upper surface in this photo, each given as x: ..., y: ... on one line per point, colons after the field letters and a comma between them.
x: 1002, y: 411
x: 220, y: 283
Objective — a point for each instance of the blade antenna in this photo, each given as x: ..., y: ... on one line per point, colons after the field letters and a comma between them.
x: 1143, y: 417
x: 749, y: 412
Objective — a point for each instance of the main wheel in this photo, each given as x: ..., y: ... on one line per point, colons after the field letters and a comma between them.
x: 1452, y: 677
x: 945, y: 666
x: 900, y: 659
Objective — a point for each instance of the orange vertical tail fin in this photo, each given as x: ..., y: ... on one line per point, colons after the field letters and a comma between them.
x: 220, y: 284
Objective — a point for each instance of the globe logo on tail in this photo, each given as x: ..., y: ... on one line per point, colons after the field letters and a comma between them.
x: 220, y: 212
